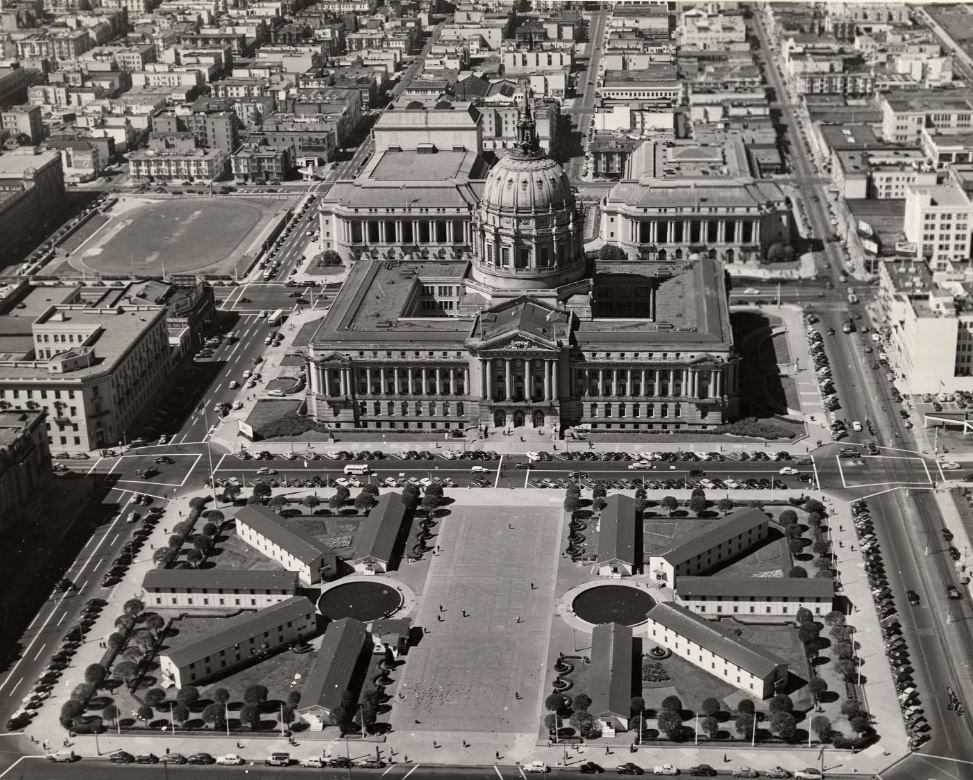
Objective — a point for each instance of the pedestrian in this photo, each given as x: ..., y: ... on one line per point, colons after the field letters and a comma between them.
x: 533, y: 586
x: 441, y: 608
x: 238, y: 745
x: 167, y: 751
x: 498, y: 755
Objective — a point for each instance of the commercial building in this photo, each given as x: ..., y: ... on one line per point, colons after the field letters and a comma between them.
x: 610, y: 676
x: 31, y: 192
x: 92, y: 368
x: 214, y: 590
x: 755, y: 597
x: 929, y: 327
x: 236, y: 641
x: 618, y: 536
x: 81, y: 159
x: 472, y: 305
x: 378, y: 534
x: 716, y: 650
x: 905, y: 117
x: 339, y: 666
x: 733, y: 535
x: 25, y: 462
x: 294, y: 549
x: 23, y: 123
x: 938, y: 222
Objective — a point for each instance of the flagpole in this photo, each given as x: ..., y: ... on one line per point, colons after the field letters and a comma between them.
x: 753, y: 739
x: 696, y: 731
x: 226, y: 713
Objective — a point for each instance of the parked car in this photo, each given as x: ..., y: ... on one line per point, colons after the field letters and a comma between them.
x: 229, y: 759
x: 913, y: 598
x: 121, y: 757
x: 200, y: 758
x: 703, y: 770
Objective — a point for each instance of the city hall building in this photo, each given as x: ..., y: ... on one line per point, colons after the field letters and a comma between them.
x: 513, y: 325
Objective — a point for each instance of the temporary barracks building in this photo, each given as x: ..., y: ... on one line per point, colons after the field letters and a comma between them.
x: 617, y: 537
x: 716, y: 650
x: 717, y: 544
x: 294, y: 549
x: 216, y: 589
x: 755, y: 596
x: 378, y: 534
x: 337, y: 668
x: 238, y: 640
x: 610, y: 683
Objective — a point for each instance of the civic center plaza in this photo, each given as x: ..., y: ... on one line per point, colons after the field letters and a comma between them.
x: 470, y: 302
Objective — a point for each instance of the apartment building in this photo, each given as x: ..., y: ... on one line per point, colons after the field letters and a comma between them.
x: 216, y: 590
x: 294, y: 549
x: 193, y: 165
x: 716, y: 650
x: 714, y: 545
x: 25, y: 462
x: 236, y: 641
x: 23, y: 122
x: 31, y: 191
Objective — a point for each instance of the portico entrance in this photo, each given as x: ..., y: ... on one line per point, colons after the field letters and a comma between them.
x: 518, y: 419
x: 538, y: 419
x: 499, y: 418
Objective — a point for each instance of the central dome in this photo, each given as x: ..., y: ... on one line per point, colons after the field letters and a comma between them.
x: 527, y: 183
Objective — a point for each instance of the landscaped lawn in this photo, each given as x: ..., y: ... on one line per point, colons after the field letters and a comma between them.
x: 231, y: 552
x: 336, y: 532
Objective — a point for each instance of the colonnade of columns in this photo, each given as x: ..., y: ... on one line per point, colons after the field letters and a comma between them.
x: 531, y: 370
x: 388, y: 380
x: 405, y: 231
x: 686, y: 230
x: 650, y: 382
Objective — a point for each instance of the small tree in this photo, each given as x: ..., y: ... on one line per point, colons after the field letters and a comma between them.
x: 807, y: 632
x: 221, y: 695
x: 110, y: 713
x: 637, y: 706
x: 95, y: 674
x: 834, y: 618
x: 160, y: 557
x: 670, y: 504
x: 250, y: 716
x: 599, y: 504
x: 820, y: 547
x: 255, y: 694
x: 83, y: 692
x: 210, y: 529
x: 787, y: 517
x: 572, y: 502
x: 710, y: 726
x: 793, y: 531
x: 557, y: 702
x: 71, y: 710
x: 796, y: 546
x: 215, y: 516
x: 817, y: 686
x: 336, y: 502
x: 203, y: 543
x: 860, y: 725
x: 845, y: 668
x: 180, y: 713
x: 781, y: 703
x: 599, y: 492
x: 783, y: 725
x: 311, y: 501
x: 710, y: 706
x: 581, y: 702
x: 344, y: 713
x: 188, y: 695
x: 155, y: 623
x: 430, y: 502
x: 813, y: 505
x: 672, y: 704
x: 746, y: 706
x: 841, y: 633
x: 262, y: 490
x: 145, y: 713
x: 725, y: 505
x: 127, y: 671
x: 115, y: 641
x: 744, y: 724
x: 198, y: 502
x: 669, y: 722
x: 550, y: 722
x: 294, y: 698
x: 798, y: 572
x: 365, y: 501
x: 134, y: 607
x: 851, y: 708
x: 231, y: 492
x: 154, y: 697
x: 194, y: 556
x: 804, y: 616
x: 582, y: 720
x: 821, y: 726
x: 213, y: 712
x: 844, y: 650
x: 697, y: 504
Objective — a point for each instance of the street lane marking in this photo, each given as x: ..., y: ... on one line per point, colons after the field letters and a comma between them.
x: 94, y: 466
x: 13, y: 766
x: 410, y: 771
x: 39, y: 651
x: 497, y: 771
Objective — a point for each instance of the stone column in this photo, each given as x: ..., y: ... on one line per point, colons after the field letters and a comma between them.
x: 508, y: 377
x: 368, y: 380
x: 327, y: 381
x: 395, y: 379
x: 738, y: 232
x: 489, y: 374
x: 408, y: 372
x: 719, y: 384
x: 601, y: 382
x: 547, y: 380
x: 614, y: 380
x: 628, y: 383
x: 755, y: 238
x: 721, y: 232
x: 315, y: 381
x: 671, y: 232
x: 381, y: 381
x: 642, y: 388
x: 452, y: 381
x: 555, y: 389
x: 653, y: 231
x: 528, y: 380
x: 398, y: 231
x: 343, y: 382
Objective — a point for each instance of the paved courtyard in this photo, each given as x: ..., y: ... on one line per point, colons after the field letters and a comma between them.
x: 468, y: 672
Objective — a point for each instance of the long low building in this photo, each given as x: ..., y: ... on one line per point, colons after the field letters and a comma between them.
x: 378, y: 535
x: 294, y: 549
x: 755, y: 596
x: 337, y: 668
x: 717, y: 544
x: 617, y: 537
x: 610, y: 683
x: 716, y: 650
x: 237, y: 641
x: 216, y: 589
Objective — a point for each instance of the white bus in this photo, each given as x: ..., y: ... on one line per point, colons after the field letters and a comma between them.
x: 274, y: 318
x: 357, y: 468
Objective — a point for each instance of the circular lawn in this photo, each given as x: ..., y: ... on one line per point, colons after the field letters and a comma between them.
x: 363, y: 601
x: 613, y: 604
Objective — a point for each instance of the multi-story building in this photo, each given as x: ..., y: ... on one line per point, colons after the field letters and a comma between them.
x: 91, y: 368
x: 710, y: 548
x: 929, y: 328
x: 880, y: 174
x: 523, y: 335
x: 194, y: 165
x: 237, y: 641
x: 499, y: 116
x: 25, y: 461
x: 253, y: 163
x: 949, y: 148
x: 14, y: 82
x: 216, y: 590
x: 700, y: 29
x: 716, y: 649
x: 939, y: 222
x: 755, y: 597
x: 31, y: 192
x: 905, y: 117
x: 293, y: 548
x: 23, y: 122
x: 81, y: 159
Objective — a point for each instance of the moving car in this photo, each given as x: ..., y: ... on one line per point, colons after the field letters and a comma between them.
x: 913, y: 598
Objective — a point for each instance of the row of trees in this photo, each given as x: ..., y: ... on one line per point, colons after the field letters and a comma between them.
x: 698, y: 504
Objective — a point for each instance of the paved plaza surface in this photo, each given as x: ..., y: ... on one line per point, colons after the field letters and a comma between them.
x: 482, y: 672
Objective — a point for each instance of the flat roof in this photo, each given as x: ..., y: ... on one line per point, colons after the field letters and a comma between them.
x: 244, y: 579
x: 704, y: 587
x: 13, y: 424
x: 422, y: 166
x: 610, y: 677
x: 16, y: 164
x: 734, y: 524
x: 712, y: 636
x: 617, y: 531
x: 648, y: 193
x: 229, y: 630
x: 378, y: 532
x: 334, y: 665
x: 291, y: 538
